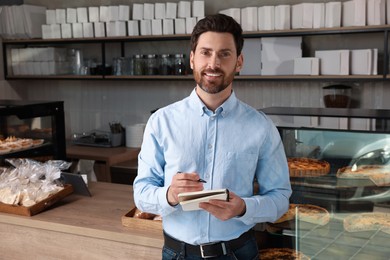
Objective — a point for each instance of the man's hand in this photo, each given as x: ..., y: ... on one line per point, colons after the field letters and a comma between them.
x: 225, y: 210
x: 183, y: 182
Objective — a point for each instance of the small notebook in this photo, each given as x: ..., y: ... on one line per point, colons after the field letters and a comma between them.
x: 190, y: 200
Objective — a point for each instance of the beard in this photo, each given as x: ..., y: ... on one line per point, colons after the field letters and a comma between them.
x: 215, y: 86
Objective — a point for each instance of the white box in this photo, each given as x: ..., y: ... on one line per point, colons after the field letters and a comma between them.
x: 138, y: 12
x: 60, y: 16
x: 124, y: 13
x: 15, y: 55
x: 332, y: 14
x: 133, y: 28
x: 46, y: 31
x: 82, y: 15
x: 198, y: 8
x: 168, y: 27
x: 318, y: 15
x: 184, y: 9
x: 266, y: 18
x: 374, y: 62
x: 333, y: 62
x: 157, y: 27
x: 171, y: 10
x: 51, y: 17
x: 146, y: 27
x: 302, y: 16
x: 249, y: 19
x: 233, y: 12
x: 66, y: 31
x: 100, y: 29
x: 159, y: 10
x: 110, y: 29
x: 376, y: 12
x: 354, y: 13
x: 71, y: 15
x: 93, y: 14
x: 113, y: 13
x: 190, y: 24
x: 282, y: 17
x: 120, y: 28
x: 88, y: 30
x: 180, y: 26
x: 278, y: 54
x: 252, y: 57
x: 307, y: 66
x: 104, y: 15
x: 361, y: 62
x: 77, y: 29
x: 55, y: 31
x: 148, y: 11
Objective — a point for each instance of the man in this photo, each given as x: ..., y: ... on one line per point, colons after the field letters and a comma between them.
x: 213, y: 136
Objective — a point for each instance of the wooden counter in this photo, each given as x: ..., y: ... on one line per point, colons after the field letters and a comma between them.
x: 80, y: 227
x: 104, y: 157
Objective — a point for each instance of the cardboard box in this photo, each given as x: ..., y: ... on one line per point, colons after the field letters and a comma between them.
x: 55, y: 31
x: 190, y: 24
x: 306, y: 66
x: 376, y: 12
x: 138, y: 12
x: 170, y: 10
x: 278, y: 54
x: 124, y: 13
x: 60, y: 16
x: 180, y: 26
x: 113, y: 13
x: 249, y: 21
x: 159, y: 10
x: 77, y: 29
x: 302, y: 16
x: 38, y: 207
x: 66, y: 31
x: 93, y: 14
x: 156, y: 27
x: 51, y: 17
x: 148, y: 11
x: 71, y: 15
x: 104, y: 14
x: 146, y: 27
x: 100, y: 29
x: 233, y: 12
x: 354, y: 13
x: 198, y: 8
x: 266, y: 18
x: 361, y: 62
x: 332, y: 14
x: 318, y: 15
x: 88, y: 30
x: 184, y: 9
x: 282, y: 17
x: 252, y: 57
x: 133, y: 28
x: 168, y: 27
x: 82, y: 15
x: 333, y: 62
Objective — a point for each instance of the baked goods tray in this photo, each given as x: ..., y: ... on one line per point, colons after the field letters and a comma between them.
x: 38, y: 207
x: 128, y: 220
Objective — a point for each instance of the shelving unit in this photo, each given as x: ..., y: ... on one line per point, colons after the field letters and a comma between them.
x: 183, y: 37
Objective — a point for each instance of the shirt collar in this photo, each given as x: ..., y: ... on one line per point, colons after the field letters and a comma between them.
x: 224, y: 109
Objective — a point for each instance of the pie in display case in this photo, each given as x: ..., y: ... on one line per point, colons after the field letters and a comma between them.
x: 339, y: 162
x: 32, y: 129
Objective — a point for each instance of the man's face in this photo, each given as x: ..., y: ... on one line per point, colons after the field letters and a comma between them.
x: 215, y: 61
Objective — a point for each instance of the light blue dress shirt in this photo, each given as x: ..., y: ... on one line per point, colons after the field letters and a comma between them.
x: 228, y: 148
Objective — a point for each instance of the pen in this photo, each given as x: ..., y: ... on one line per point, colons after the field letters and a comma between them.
x: 200, y: 180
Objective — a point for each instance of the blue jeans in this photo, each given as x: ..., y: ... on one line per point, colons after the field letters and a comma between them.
x: 248, y: 251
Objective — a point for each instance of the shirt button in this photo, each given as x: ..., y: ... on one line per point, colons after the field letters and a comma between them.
x: 212, y: 118
x: 210, y: 146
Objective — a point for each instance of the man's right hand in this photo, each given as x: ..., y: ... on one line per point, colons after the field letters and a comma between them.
x: 183, y: 182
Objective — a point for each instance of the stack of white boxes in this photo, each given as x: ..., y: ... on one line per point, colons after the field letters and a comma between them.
x: 39, y: 61
x: 114, y: 21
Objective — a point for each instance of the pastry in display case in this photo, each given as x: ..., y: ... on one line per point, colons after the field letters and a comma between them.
x: 32, y: 129
x: 339, y: 164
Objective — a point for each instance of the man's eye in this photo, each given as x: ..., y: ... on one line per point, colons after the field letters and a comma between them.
x: 224, y: 54
x: 204, y: 53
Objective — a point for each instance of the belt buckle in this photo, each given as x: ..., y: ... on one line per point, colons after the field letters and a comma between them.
x: 203, y: 251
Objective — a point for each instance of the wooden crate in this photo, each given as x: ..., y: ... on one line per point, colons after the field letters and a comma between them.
x: 38, y: 207
x: 128, y: 220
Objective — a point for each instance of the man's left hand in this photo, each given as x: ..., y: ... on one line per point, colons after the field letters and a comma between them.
x: 225, y: 210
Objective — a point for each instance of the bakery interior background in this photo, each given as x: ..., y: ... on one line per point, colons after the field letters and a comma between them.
x: 91, y: 104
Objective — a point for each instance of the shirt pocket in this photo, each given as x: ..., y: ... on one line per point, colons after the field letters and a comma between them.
x: 239, y: 171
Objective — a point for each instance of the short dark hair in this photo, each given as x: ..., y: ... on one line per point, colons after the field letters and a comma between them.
x: 218, y: 23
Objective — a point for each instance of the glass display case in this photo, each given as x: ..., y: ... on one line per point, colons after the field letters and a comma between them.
x: 354, y: 191
x: 32, y: 129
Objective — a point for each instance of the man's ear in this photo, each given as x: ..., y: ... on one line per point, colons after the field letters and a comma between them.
x: 192, y: 60
x: 240, y: 62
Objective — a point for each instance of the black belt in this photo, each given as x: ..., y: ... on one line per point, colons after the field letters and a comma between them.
x: 210, y: 249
